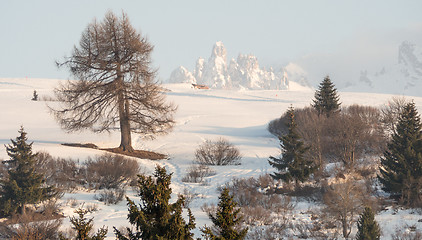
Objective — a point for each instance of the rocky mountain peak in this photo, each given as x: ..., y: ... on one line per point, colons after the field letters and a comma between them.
x: 244, y: 72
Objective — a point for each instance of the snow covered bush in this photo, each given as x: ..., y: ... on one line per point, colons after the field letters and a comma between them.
x: 110, y: 196
x: 259, y: 205
x: 197, y: 173
x: 407, y: 233
x: 30, y: 226
x: 220, y: 152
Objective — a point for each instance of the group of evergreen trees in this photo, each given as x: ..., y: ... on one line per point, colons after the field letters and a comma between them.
x: 293, y: 165
x: 155, y: 218
x: 401, y: 164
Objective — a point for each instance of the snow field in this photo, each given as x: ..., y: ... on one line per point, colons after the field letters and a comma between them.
x: 239, y: 116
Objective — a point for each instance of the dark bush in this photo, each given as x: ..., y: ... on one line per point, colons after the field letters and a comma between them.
x: 63, y: 173
x: 110, y: 171
x: 30, y: 227
x: 220, y: 152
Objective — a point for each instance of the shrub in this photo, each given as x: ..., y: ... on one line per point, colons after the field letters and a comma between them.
x: 189, y: 197
x: 220, y: 152
x: 407, y: 233
x: 63, y: 173
x: 30, y: 227
x: 197, y: 173
x: 253, y: 196
x: 110, y: 197
x: 110, y: 171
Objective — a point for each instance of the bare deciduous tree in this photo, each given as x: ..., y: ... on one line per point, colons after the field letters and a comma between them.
x: 391, y: 112
x: 115, y: 84
x: 344, y: 202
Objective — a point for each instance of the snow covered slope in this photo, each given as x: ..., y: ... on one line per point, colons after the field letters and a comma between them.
x: 403, y: 78
x: 241, y: 116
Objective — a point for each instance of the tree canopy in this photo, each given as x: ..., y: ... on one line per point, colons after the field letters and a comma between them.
x: 115, y: 84
x: 326, y: 98
x: 368, y: 228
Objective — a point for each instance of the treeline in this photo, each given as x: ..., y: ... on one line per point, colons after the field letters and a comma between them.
x: 369, y: 148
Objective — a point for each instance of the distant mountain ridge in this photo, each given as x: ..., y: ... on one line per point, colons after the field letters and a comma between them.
x: 403, y: 78
x: 244, y: 72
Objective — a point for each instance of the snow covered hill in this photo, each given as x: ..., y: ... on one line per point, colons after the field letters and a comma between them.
x: 244, y: 72
x: 241, y: 116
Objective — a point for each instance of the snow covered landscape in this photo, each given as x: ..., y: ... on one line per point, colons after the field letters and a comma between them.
x: 240, y: 116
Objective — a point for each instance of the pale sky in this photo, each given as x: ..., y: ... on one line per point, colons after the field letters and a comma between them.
x: 333, y: 37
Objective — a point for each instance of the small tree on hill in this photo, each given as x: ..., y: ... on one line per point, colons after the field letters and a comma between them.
x: 401, y: 166
x: 156, y: 218
x: 368, y: 228
x: 35, y: 96
x: 83, y: 227
x: 326, y: 98
x: 24, y: 185
x: 225, y: 220
x: 293, y: 165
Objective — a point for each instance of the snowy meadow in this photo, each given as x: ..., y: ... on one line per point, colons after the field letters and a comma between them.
x: 240, y: 116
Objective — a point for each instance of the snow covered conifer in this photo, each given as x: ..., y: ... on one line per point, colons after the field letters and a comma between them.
x: 225, y: 220
x: 326, y: 98
x: 368, y: 228
x: 156, y: 218
x: 292, y: 165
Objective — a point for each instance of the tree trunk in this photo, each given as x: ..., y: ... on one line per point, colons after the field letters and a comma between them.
x: 345, y: 228
x: 125, y: 134
x: 22, y: 209
x: 126, y: 138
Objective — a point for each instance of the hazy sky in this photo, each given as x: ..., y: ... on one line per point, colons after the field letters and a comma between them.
x: 326, y: 37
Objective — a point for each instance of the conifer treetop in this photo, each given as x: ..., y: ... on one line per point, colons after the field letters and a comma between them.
x: 326, y: 98
x: 368, y: 228
x: 156, y: 218
x: 225, y: 220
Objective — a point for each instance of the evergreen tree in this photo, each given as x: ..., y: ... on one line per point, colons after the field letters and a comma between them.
x: 156, y: 218
x: 401, y: 165
x: 225, y: 220
x: 292, y: 165
x: 326, y: 98
x: 368, y: 228
x: 24, y: 185
x: 83, y: 227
